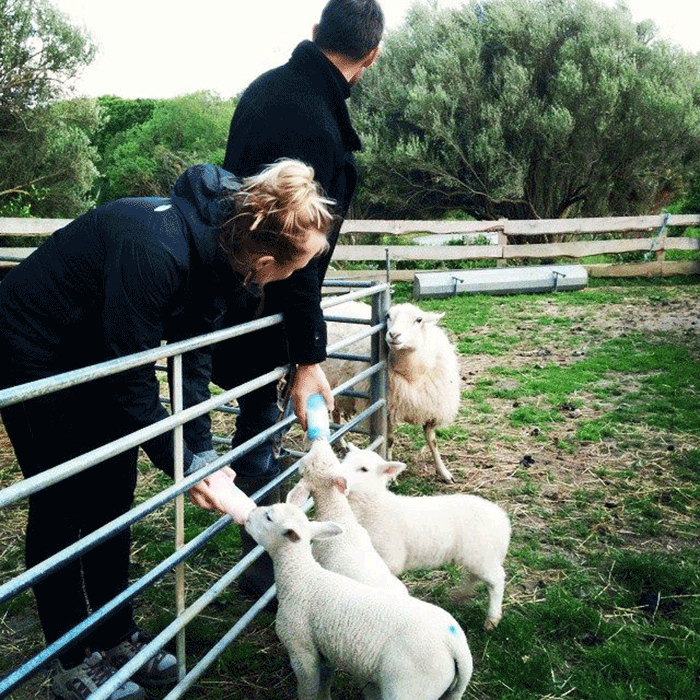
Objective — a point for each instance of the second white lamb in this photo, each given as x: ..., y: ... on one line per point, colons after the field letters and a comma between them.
x: 427, y: 532
x: 351, y: 552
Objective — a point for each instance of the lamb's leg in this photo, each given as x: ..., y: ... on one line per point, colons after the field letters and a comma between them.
x: 440, y: 468
x: 371, y: 692
x: 496, y: 585
x: 308, y: 670
x: 389, y: 438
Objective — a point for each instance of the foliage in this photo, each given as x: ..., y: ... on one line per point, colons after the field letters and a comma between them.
x: 147, y: 158
x: 40, y: 52
x: 526, y: 109
x: 46, y: 160
x: 120, y: 114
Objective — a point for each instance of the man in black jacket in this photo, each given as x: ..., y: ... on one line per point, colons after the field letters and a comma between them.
x: 299, y: 110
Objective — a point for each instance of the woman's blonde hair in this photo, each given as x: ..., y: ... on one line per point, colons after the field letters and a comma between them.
x: 275, y: 212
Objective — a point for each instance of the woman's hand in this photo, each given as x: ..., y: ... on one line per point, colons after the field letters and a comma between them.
x: 309, y: 379
x: 218, y: 492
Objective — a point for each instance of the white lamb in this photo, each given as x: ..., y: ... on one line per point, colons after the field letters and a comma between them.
x: 350, y: 553
x: 425, y: 532
x: 424, y: 374
x: 395, y: 647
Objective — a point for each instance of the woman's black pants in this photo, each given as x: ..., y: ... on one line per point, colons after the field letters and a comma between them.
x: 47, y: 431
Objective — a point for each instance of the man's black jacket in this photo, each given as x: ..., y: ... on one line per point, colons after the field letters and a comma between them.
x: 298, y: 110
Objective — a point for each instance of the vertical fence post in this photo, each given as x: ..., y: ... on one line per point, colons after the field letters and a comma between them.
x: 178, y: 447
x: 378, y: 424
x: 502, y: 242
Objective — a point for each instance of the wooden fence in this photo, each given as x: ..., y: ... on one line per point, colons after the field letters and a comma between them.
x: 508, y: 240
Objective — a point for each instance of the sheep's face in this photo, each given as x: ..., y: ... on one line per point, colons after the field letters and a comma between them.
x: 367, y: 472
x: 320, y: 463
x: 406, y: 326
x: 285, y: 524
x: 273, y: 526
x: 320, y: 472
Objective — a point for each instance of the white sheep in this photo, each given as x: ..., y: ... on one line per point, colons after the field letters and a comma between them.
x: 424, y: 378
x: 425, y: 532
x: 350, y: 553
x: 395, y: 647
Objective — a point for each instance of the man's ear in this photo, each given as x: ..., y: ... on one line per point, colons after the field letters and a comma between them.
x: 371, y: 57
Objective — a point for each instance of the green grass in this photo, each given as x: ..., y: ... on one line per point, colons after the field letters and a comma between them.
x: 603, y: 572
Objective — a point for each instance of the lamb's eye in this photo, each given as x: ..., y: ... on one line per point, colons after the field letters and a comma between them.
x: 269, y: 519
x: 419, y: 319
x: 364, y: 469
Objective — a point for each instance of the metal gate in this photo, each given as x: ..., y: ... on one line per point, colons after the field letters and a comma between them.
x: 376, y: 413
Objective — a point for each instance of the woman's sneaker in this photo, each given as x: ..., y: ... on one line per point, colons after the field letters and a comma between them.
x: 160, y: 669
x: 79, y: 682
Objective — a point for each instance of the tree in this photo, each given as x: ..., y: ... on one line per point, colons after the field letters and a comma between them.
x: 40, y: 53
x: 51, y: 159
x: 526, y: 109
x: 146, y: 159
x: 46, y: 161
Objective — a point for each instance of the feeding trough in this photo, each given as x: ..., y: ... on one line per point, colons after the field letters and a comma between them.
x: 500, y: 280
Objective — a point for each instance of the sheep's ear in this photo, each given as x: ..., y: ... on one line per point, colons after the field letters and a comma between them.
x: 298, y: 495
x: 392, y: 469
x: 340, y: 483
x: 291, y: 535
x: 322, y: 529
x: 433, y: 316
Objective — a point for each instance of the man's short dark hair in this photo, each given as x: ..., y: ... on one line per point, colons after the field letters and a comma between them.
x: 351, y: 28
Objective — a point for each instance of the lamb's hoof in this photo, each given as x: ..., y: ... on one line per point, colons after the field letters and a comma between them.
x: 491, y: 623
x: 447, y: 478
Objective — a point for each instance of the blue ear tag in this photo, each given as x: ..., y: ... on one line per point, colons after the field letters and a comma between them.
x: 317, y: 421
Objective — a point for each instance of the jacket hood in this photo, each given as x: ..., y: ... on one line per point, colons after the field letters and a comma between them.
x: 203, y: 195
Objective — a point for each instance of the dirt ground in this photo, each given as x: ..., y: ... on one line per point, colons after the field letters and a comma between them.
x: 497, y: 459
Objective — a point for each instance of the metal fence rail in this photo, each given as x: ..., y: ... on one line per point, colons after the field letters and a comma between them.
x: 376, y: 413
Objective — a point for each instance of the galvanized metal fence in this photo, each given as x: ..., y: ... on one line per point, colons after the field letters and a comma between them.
x: 376, y: 412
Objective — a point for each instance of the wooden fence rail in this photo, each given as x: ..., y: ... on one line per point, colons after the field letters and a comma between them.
x: 508, y: 240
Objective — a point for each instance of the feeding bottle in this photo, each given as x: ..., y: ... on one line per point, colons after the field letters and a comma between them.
x: 317, y: 420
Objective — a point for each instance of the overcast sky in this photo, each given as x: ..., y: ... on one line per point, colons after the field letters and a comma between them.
x: 163, y: 48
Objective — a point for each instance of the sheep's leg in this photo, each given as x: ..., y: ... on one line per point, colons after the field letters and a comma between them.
x: 371, y: 692
x: 310, y: 676
x: 496, y: 585
x: 389, y: 438
x: 430, y: 438
x: 326, y: 677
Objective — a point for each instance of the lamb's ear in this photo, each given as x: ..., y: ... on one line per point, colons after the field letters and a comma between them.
x: 298, y: 495
x: 433, y: 316
x: 291, y: 535
x: 340, y: 483
x: 352, y: 448
x: 392, y: 469
x: 322, y: 529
